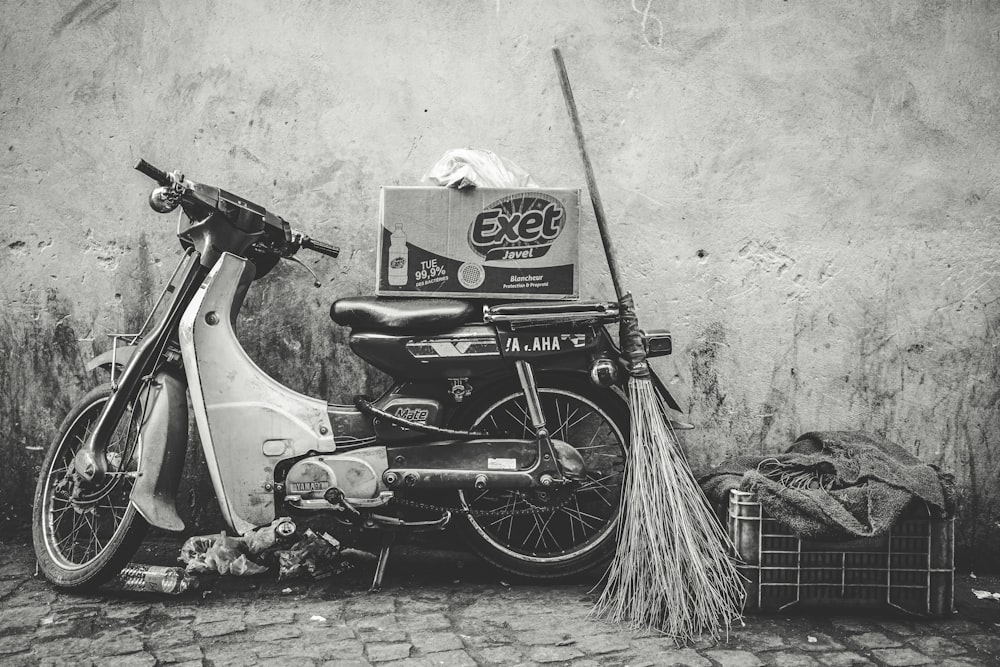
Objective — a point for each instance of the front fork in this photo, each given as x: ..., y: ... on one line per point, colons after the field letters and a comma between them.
x: 90, y: 462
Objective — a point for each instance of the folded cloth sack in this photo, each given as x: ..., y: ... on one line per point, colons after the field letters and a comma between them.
x: 835, y: 485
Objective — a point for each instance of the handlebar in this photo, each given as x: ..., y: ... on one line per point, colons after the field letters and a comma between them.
x: 157, y: 175
x: 320, y: 247
x: 177, y: 182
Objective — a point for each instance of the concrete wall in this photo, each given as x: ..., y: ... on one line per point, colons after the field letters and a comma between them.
x: 803, y: 192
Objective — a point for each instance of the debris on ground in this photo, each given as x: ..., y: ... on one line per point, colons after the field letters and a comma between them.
x: 218, y: 554
x: 154, y: 579
x: 311, y: 554
x: 314, y: 555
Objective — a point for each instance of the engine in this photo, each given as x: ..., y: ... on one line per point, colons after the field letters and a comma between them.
x: 357, y: 474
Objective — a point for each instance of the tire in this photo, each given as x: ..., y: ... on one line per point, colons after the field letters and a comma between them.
x: 81, y: 543
x: 579, y: 534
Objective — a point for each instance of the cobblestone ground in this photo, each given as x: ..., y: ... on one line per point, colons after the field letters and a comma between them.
x: 438, y: 608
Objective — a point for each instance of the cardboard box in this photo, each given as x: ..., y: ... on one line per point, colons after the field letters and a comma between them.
x: 488, y: 243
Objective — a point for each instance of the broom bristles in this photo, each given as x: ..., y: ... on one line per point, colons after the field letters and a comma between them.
x: 671, y: 572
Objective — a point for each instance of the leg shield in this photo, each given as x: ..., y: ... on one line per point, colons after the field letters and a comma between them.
x: 163, y: 436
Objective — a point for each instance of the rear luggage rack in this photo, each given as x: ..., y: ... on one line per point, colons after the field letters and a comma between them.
x: 541, y: 313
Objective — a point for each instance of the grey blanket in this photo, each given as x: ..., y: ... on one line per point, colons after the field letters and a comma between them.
x: 834, y: 485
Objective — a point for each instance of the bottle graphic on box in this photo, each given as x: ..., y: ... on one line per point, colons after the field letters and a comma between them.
x: 398, y: 257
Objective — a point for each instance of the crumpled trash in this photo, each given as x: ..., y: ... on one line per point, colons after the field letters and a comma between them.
x: 264, y: 538
x: 218, y: 553
x: 317, y: 555
x: 474, y: 167
x: 985, y: 595
x: 240, y: 556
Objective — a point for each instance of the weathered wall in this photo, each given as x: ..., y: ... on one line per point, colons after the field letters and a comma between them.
x: 803, y: 192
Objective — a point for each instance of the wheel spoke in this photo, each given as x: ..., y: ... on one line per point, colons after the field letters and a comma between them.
x: 59, y: 472
x: 543, y: 529
x: 61, y: 512
x: 578, y: 515
x: 80, y: 440
x: 507, y: 507
x: 71, y: 537
x: 573, y: 520
x: 568, y: 427
x: 572, y: 526
x: 92, y: 534
x: 479, y: 497
x: 565, y: 426
x: 564, y: 530
x: 87, y: 524
x: 556, y: 433
x: 522, y: 421
x: 534, y: 521
x: 492, y: 504
x: 55, y: 520
x: 114, y: 513
x: 595, y: 483
x: 516, y: 497
x: 97, y: 537
x: 601, y: 496
x: 79, y: 524
x: 590, y: 444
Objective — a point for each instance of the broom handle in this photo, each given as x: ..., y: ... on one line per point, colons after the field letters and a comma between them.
x: 595, y: 196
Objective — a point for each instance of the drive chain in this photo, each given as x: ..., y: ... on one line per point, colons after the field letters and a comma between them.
x: 532, y: 509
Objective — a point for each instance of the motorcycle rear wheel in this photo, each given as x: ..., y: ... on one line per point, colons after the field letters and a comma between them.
x: 84, y: 536
x: 578, y: 534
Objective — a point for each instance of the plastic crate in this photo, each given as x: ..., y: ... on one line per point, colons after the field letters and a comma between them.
x: 911, y: 569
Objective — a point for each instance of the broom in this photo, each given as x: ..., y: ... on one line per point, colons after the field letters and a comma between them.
x: 671, y: 572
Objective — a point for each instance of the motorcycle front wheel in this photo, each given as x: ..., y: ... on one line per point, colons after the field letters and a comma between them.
x: 543, y: 534
x: 84, y: 535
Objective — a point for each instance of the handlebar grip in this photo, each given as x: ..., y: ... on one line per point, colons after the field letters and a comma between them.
x: 320, y: 247
x: 157, y: 175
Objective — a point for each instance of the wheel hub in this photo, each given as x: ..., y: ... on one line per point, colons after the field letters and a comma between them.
x: 551, y: 497
x: 82, y: 494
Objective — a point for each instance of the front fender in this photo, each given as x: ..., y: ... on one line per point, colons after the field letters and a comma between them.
x: 118, y: 357
x: 163, y: 437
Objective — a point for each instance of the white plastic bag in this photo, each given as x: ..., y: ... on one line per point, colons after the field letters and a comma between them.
x: 218, y: 553
x: 474, y: 167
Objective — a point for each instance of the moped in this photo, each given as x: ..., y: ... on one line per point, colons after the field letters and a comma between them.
x: 507, y: 417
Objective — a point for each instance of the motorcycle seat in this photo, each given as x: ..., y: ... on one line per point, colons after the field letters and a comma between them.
x: 403, y: 315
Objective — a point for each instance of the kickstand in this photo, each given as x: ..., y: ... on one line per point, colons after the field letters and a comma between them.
x: 388, y: 539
